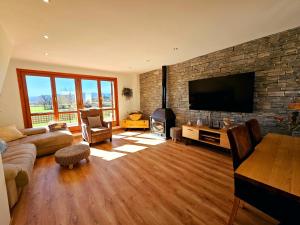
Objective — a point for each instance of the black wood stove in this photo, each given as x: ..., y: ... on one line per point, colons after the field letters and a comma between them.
x: 162, y: 119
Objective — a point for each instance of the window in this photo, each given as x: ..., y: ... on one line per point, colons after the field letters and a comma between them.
x: 48, y: 96
x: 107, y: 100
x: 66, y: 100
x: 40, y: 100
x: 90, y: 93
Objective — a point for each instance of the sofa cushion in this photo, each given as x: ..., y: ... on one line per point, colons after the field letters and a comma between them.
x: 10, y: 133
x: 48, y: 142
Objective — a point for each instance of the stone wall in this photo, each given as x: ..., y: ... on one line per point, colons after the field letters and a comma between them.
x: 275, y: 59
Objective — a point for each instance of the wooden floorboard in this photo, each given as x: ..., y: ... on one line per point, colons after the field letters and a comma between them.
x: 163, y: 184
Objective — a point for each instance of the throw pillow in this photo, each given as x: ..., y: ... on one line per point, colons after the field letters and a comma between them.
x: 94, y: 121
x: 54, y: 126
x: 3, y: 146
x: 10, y: 133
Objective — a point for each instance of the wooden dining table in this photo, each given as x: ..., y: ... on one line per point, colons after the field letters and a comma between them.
x: 269, y: 178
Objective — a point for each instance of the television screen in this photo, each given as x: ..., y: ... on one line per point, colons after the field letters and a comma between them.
x: 232, y: 93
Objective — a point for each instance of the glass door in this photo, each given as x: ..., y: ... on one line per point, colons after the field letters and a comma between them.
x: 66, y: 100
x: 40, y: 98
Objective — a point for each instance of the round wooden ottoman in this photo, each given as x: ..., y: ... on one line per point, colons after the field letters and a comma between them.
x: 73, y: 154
x: 176, y: 133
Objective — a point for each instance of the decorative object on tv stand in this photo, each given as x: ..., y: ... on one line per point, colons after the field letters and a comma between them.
x: 127, y: 92
x: 215, y: 124
x: 227, y: 121
x: 199, y: 122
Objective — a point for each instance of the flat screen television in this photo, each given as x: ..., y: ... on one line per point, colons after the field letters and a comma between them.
x: 233, y: 93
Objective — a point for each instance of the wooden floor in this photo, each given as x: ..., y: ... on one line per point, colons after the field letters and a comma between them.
x: 135, y: 181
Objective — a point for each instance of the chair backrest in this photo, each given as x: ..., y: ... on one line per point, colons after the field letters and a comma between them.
x: 240, y: 143
x: 254, y: 131
x: 85, y: 113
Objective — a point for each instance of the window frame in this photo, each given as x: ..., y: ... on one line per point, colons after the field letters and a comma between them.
x: 21, y: 75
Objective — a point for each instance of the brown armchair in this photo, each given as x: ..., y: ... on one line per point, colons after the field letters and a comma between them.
x: 93, y: 134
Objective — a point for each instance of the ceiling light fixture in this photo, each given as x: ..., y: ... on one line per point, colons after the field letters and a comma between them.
x: 46, y: 36
x: 46, y: 1
x: 46, y: 53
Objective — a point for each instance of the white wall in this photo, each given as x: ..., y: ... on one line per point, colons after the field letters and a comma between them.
x: 6, y: 48
x: 4, y: 208
x: 10, y: 104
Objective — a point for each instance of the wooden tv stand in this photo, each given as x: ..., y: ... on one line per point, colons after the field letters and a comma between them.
x: 217, y: 137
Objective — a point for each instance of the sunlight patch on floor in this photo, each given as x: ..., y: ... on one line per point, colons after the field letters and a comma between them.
x: 129, y: 133
x: 106, y: 155
x: 151, y: 136
x: 118, y: 136
x: 130, y: 148
x: 145, y: 141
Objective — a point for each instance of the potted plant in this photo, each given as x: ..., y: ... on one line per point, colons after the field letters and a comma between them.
x: 127, y: 92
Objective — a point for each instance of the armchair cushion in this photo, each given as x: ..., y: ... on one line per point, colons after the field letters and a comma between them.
x: 94, y: 121
x: 100, y: 130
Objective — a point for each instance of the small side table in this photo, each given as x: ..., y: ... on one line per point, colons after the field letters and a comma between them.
x: 176, y: 133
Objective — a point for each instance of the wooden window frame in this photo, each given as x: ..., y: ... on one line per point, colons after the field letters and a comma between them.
x: 21, y: 75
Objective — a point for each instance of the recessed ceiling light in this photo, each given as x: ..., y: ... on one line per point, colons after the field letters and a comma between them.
x: 46, y: 1
x: 46, y: 36
x: 46, y: 53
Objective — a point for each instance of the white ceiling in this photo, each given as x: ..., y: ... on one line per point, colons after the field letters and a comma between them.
x: 132, y: 36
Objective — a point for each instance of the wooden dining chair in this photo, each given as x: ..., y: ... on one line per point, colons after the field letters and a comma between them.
x: 254, y: 131
x: 241, y: 148
x: 240, y: 143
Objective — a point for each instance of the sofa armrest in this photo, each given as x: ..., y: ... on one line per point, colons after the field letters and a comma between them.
x: 14, y: 172
x: 33, y: 131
